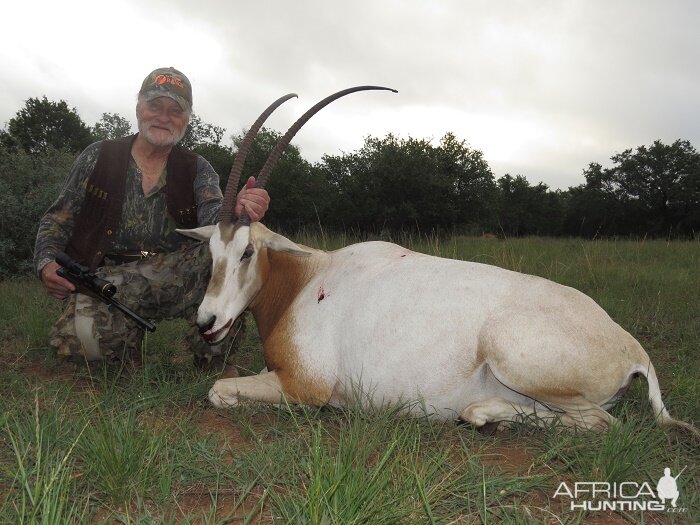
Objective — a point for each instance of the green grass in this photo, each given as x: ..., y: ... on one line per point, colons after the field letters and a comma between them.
x: 45, y: 470
x: 143, y: 446
x: 123, y: 459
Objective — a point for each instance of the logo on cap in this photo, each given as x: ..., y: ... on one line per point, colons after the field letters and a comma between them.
x: 168, y: 79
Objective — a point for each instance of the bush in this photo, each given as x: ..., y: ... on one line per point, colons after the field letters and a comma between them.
x: 28, y: 186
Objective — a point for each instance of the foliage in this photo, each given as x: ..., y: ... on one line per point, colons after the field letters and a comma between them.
x: 399, y: 184
x: 205, y: 139
x: 654, y: 190
x: 199, y: 132
x: 111, y: 126
x: 29, y: 183
x: 528, y: 210
x: 662, y: 182
x: 220, y: 157
x: 590, y: 208
x: 42, y: 124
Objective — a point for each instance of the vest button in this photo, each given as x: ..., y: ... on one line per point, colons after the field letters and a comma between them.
x: 109, y: 232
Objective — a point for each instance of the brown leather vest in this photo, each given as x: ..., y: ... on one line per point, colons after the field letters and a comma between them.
x: 104, y: 197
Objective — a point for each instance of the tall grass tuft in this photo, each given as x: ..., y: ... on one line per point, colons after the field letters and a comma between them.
x: 44, y: 487
x: 622, y: 453
x: 123, y: 459
x: 342, y: 473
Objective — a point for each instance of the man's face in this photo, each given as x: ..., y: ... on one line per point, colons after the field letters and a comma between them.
x: 161, y: 121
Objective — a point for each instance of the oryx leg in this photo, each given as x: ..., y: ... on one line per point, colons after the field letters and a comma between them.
x: 575, y: 413
x: 265, y: 387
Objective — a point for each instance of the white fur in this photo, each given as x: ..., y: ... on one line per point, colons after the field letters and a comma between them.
x: 459, y: 339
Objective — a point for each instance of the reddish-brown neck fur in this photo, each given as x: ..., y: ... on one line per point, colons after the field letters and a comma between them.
x: 283, y: 277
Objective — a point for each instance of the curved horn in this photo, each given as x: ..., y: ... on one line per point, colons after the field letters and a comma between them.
x: 227, y: 206
x: 277, y: 151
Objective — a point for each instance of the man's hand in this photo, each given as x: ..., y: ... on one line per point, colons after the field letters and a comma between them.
x: 55, y: 285
x: 254, y: 200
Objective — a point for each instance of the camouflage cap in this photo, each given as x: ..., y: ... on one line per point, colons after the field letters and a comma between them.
x: 168, y: 82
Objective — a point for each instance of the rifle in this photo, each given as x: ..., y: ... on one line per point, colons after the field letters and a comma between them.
x: 84, y: 279
x: 681, y: 472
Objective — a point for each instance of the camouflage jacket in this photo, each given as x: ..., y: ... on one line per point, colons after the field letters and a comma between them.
x: 145, y: 224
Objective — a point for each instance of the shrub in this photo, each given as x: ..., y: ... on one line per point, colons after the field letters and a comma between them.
x: 28, y: 186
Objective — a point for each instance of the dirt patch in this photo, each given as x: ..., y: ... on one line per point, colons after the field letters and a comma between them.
x: 39, y: 371
x: 225, y: 506
x: 515, y: 460
x: 217, y: 422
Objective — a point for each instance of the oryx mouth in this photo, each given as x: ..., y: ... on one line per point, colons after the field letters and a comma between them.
x: 210, y: 336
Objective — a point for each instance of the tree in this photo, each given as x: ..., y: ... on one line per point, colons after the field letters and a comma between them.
x: 7, y: 141
x: 111, y: 126
x: 663, y: 182
x: 199, y: 132
x: 29, y: 183
x: 472, y: 178
x: 205, y: 139
x: 399, y: 184
x: 220, y: 157
x: 42, y: 124
x: 528, y: 210
x: 654, y: 190
x: 593, y: 209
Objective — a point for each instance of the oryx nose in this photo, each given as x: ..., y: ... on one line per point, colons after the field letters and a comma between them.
x: 206, y: 325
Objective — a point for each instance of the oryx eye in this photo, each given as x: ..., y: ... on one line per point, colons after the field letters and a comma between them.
x: 248, y: 253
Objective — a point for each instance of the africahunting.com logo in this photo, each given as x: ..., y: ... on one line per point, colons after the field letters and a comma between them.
x: 623, y: 496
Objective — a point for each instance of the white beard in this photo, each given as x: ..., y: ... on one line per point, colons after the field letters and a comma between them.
x: 160, y: 137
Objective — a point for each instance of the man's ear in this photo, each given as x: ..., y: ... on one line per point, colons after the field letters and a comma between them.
x: 203, y: 233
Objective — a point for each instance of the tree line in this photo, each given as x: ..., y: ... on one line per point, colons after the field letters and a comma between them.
x: 389, y: 185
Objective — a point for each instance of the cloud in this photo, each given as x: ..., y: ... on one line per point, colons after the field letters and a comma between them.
x: 542, y: 88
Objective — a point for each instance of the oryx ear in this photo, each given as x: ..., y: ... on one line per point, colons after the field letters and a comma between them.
x: 276, y: 242
x: 202, y: 233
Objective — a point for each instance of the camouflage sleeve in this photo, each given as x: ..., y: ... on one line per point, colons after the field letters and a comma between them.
x: 56, y: 225
x: 207, y: 193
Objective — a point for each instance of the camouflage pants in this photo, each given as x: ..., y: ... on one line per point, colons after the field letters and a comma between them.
x: 164, y: 286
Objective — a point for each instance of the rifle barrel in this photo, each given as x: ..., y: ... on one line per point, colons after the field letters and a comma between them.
x: 130, y: 313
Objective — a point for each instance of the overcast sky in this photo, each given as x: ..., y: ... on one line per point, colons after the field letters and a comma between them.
x: 542, y: 88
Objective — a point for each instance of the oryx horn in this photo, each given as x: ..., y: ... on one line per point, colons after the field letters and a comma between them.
x: 227, y: 207
x: 283, y: 142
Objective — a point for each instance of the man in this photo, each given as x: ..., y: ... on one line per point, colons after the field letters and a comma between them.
x: 117, y: 213
x: 667, y: 487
